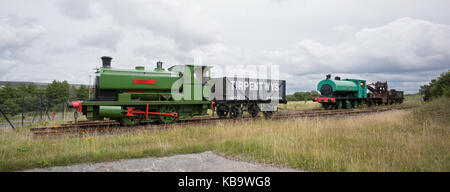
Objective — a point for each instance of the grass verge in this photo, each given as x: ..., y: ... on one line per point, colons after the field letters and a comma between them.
x: 413, y: 140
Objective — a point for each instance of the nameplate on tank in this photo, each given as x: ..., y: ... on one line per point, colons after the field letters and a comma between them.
x: 143, y: 81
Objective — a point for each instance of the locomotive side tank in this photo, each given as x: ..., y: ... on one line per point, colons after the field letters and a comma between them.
x: 110, y: 83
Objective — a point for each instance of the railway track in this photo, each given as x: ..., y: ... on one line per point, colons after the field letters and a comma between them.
x: 111, y: 126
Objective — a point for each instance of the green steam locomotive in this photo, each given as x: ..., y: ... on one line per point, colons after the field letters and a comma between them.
x: 351, y: 93
x: 140, y: 95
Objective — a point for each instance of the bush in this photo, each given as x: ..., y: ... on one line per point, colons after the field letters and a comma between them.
x: 437, y: 87
x: 302, y: 96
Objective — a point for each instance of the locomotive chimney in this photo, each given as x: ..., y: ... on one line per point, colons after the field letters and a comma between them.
x: 328, y: 76
x: 106, y: 61
x: 159, y: 65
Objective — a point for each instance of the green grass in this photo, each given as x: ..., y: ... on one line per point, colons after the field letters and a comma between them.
x: 414, y: 140
x: 413, y: 96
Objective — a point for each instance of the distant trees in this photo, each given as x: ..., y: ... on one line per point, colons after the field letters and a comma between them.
x: 437, y: 87
x: 8, y: 97
x: 82, y: 93
x: 303, y: 96
x: 56, y: 92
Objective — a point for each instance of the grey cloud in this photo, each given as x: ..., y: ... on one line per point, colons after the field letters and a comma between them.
x: 404, y: 45
x: 306, y: 39
x: 106, y: 39
x: 76, y: 9
x: 403, y: 52
x: 17, y: 36
x: 145, y: 29
x: 182, y: 21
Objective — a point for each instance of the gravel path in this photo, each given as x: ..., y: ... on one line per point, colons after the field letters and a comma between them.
x: 200, y: 162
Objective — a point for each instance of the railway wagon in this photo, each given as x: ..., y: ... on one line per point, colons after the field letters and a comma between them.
x: 134, y: 96
x: 380, y: 95
x: 232, y: 96
x: 338, y: 94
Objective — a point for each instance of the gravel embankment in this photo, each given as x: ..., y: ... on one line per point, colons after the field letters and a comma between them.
x: 200, y: 162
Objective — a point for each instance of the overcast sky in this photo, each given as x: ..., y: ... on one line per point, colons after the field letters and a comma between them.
x: 404, y: 42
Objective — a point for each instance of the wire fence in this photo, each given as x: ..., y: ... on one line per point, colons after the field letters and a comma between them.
x: 26, y: 111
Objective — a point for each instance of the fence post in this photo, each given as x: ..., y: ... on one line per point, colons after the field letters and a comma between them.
x: 34, y: 115
x: 23, y: 108
x: 63, y: 109
x: 4, y: 115
x: 47, y: 108
x: 40, y: 108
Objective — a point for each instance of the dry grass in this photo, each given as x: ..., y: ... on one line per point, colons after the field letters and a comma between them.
x: 416, y: 140
x: 390, y: 143
x: 299, y: 105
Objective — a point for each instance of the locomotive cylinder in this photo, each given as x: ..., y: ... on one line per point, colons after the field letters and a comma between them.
x: 110, y: 111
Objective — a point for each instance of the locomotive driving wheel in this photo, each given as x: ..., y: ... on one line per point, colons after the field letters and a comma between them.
x: 167, y: 118
x: 338, y: 105
x: 348, y: 104
x: 129, y: 121
x: 355, y: 104
x: 222, y: 111
x: 327, y: 106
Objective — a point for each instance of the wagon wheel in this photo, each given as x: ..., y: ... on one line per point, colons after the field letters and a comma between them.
x: 167, y: 118
x: 129, y: 121
x: 268, y: 114
x: 222, y: 111
x: 235, y: 112
x: 253, y: 109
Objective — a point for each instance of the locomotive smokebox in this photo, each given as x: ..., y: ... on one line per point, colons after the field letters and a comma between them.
x: 106, y: 61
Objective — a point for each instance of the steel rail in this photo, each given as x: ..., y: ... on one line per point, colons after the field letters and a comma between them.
x: 111, y: 126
